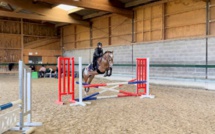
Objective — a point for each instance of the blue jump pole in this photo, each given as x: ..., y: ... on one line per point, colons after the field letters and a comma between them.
x: 5, y: 106
x: 137, y: 82
x: 89, y: 97
x: 10, y: 104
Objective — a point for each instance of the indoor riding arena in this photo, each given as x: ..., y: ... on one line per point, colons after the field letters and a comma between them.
x: 149, y: 66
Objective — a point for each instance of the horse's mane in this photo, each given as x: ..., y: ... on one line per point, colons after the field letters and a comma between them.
x: 108, y: 52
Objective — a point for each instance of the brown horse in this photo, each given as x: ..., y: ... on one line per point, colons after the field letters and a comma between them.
x: 105, y: 63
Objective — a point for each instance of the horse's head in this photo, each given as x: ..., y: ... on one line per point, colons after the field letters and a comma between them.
x: 109, y: 57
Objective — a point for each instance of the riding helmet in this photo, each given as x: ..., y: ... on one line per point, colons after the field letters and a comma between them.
x: 99, y: 44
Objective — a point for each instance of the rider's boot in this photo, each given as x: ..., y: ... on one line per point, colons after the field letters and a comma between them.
x: 95, y: 66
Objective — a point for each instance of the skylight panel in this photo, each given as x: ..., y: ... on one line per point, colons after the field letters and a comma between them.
x: 66, y: 7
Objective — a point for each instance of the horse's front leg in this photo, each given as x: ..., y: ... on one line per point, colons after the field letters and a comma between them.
x: 110, y: 72
x: 106, y: 73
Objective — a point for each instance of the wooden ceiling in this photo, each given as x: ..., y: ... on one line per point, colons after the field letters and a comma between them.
x: 46, y: 10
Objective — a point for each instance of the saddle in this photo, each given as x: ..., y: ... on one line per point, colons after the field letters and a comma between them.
x: 90, y: 68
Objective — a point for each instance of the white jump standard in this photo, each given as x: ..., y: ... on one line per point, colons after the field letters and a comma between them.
x: 8, y: 121
x: 80, y: 102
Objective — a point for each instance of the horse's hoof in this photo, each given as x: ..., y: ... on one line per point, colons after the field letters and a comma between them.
x: 85, y: 93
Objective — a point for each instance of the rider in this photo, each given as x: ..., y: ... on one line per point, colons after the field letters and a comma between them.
x: 97, y: 54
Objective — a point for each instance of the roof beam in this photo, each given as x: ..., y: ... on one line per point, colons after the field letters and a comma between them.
x: 102, y: 5
x: 94, y: 15
x: 117, y: 3
x: 32, y: 17
x: 17, y: 9
x: 4, y: 9
x: 75, y: 10
x: 53, y: 13
x: 11, y: 8
x: 137, y: 2
x: 61, y: 24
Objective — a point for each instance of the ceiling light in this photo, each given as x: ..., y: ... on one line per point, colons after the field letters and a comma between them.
x: 66, y: 7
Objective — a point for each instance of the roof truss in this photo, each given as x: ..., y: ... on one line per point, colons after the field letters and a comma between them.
x: 52, y: 14
x: 111, y: 6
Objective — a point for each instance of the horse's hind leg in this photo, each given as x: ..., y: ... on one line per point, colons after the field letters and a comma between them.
x: 89, y: 81
x: 86, y: 79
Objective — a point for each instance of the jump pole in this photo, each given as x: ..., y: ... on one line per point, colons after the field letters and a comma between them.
x: 114, y: 83
x: 92, y: 96
x: 142, y: 81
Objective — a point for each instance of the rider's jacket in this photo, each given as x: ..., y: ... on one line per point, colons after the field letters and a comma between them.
x: 98, y: 52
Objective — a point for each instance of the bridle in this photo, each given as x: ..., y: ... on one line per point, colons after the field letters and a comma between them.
x: 109, y: 58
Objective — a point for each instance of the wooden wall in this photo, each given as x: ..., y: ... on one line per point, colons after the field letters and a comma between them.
x: 44, y: 44
x: 163, y: 20
x: 185, y: 19
x: 149, y: 23
x: 68, y: 37
x: 48, y: 56
x: 109, y: 29
x: 17, y: 38
x: 41, y: 40
x: 212, y: 18
x: 75, y: 36
x: 82, y: 36
x: 121, y: 30
x: 100, y: 31
x: 175, y: 19
x: 10, y: 46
